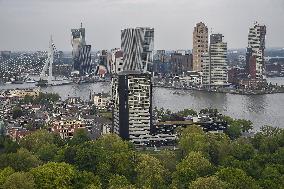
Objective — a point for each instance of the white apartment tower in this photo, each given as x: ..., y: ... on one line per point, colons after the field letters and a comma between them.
x: 215, y: 70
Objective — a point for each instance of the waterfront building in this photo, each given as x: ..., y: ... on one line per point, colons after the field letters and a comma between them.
x: 255, y: 52
x: 81, y: 52
x: 215, y: 67
x: 181, y: 63
x: 191, y: 78
x: 137, y: 45
x: 200, y: 45
x: 132, y: 106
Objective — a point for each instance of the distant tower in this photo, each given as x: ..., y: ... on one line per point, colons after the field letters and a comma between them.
x: 215, y: 66
x: 200, y: 45
x: 255, y: 51
x: 48, y: 67
x: 81, y: 52
x: 137, y: 45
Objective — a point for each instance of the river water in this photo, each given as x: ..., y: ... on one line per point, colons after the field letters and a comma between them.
x: 260, y: 109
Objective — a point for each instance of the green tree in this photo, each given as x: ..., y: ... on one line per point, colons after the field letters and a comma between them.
x: 106, y: 156
x: 211, y: 182
x: 245, y: 124
x: 80, y: 136
x: 7, y: 145
x: 193, y: 166
x: 119, y: 182
x: 242, y: 149
x: 20, y: 180
x: 17, y: 112
x: 234, y: 130
x: 22, y: 160
x: 53, y: 175
x: 269, y: 139
x: 38, y: 140
x: 84, y: 179
x: 150, y: 172
x: 191, y: 139
x: 5, y: 173
x: 219, y: 146
x: 272, y: 177
x: 237, y: 179
x: 47, y: 152
x: 187, y: 112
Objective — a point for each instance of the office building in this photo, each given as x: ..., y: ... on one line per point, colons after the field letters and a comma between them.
x: 215, y: 69
x: 200, y: 45
x: 137, y: 45
x: 255, y: 52
x: 81, y: 53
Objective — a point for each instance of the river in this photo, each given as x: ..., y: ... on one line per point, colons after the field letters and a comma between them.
x: 260, y: 109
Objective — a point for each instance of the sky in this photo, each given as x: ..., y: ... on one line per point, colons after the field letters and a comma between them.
x: 26, y: 25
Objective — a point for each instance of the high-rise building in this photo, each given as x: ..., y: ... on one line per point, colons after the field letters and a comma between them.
x: 215, y: 69
x: 132, y: 106
x: 137, y: 45
x: 255, y: 51
x: 200, y: 45
x: 132, y: 87
x: 81, y: 52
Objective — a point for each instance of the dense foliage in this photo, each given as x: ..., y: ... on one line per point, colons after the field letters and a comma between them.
x: 203, y: 161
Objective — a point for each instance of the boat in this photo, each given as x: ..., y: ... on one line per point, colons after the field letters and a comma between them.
x: 17, y: 82
x: 42, y: 83
x: 31, y: 81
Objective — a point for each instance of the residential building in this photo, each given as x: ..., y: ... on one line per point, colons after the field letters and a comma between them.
x: 215, y: 67
x: 101, y: 101
x: 255, y: 52
x: 200, y: 45
x: 132, y: 106
x: 67, y: 128
x: 21, y: 93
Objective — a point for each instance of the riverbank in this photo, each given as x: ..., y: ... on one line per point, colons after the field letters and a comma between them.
x: 227, y: 90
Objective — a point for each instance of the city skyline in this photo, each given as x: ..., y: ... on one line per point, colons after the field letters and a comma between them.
x: 28, y: 24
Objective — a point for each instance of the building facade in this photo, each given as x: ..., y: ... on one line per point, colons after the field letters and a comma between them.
x: 181, y: 63
x: 215, y: 69
x: 137, y: 45
x: 115, y: 61
x: 81, y: 53
x: 200, y: 45
x: 132, y: 106
x: 255, y: 51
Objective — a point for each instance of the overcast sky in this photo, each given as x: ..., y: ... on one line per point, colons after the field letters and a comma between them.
x: 27, y: 24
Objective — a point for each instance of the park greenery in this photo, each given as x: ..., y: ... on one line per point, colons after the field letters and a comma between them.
x: 203, y: 160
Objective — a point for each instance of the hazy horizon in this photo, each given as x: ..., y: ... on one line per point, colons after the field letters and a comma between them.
x: 27, y: 24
